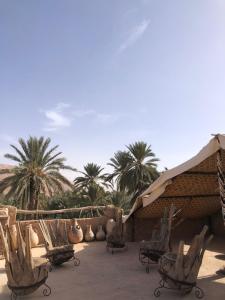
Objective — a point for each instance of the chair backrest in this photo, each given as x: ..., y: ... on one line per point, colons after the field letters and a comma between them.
x: 19, y: 261
x: 194, y: 256
x: 185, y: 267
x: 54, y: 233
x: 116, y: 236
x: 163, y: 234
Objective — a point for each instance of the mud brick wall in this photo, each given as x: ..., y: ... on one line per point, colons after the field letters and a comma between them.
x: 108, y: 213
x: 94, y: 222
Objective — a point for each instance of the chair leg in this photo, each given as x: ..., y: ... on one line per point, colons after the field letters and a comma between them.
x: 76, y: 261
x: 157, y: 291
x: 199, y: 292
x: 13, y: 296
x: 47, y: 290
x: 162, y: 285
x: 50, y: 267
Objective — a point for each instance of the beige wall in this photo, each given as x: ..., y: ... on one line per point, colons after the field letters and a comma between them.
x: 109, y: 212
x: 94, y: 222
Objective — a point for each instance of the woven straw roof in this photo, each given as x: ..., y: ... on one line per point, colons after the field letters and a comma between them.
x: 191, y: 186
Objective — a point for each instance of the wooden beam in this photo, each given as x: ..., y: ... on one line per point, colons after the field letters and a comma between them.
x: 191, y: 196
x: 221, y: 181
x: 199, y: 173
x: 59, y: 211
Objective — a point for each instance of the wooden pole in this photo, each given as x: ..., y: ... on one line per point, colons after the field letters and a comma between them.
x: 221, y: 182
x: 60, y: 211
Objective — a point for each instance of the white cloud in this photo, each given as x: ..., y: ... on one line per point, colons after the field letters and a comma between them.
x: 97, y: 116
x: 57, y: 118
x: 60, y: 117
x: 107, y: 118
x: 62, y: 105
x: 135, y: 35
x: 83, y: 113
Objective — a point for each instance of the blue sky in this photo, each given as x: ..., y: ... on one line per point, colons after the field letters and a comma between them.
x: 98, y: 75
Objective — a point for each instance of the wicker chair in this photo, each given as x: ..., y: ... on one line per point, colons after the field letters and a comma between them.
x: 25, y: 274
x: 179, y: 271
x: 57, y: 245
x: 151, y: 251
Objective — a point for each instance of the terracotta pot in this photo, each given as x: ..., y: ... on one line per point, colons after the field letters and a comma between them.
x: 100, y: 235
x: 13, y: 233
x: 33, y: 238
x: 75, y: 233
x: 89, y: 235
x: 109, y: 226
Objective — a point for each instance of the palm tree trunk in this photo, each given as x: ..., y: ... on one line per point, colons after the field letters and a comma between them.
x: 36, y: 200
x: 32, y: 200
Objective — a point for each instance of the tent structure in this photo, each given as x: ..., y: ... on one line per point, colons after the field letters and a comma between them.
x: 195, y: 187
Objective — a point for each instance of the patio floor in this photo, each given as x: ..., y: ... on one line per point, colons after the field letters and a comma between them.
x: 120, y: 276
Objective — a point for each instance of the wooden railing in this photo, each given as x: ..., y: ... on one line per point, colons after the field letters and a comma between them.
x: 58, y: 211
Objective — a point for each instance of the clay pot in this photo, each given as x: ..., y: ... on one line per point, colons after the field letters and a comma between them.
x: 75, y: 233
x: 13, y: 233
x: 100, y: 235
x: 109, y: 226
x: 89, y: 235
x: 33, y: 237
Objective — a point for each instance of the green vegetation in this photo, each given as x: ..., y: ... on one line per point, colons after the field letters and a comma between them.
x: 135, y: 169
x: 36, y: 182
x: 37, y: 173
x: 92, y: 176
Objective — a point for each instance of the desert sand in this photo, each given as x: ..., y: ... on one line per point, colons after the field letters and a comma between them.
x: 103, y: 276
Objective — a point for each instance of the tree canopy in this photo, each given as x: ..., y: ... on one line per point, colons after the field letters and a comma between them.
x: 37, y: 172
x: 36, y: 177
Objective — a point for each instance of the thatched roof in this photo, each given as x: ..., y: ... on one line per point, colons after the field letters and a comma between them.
x: 191, y: 186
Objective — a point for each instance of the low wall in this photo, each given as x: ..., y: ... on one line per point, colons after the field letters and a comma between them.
x: 109, y: 211
x: 94, y: 222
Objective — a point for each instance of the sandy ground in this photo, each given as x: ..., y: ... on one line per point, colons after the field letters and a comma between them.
x: 119, y: 276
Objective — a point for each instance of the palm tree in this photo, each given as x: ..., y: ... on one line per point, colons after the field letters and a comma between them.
x: 36, y: 174
x: 142, y: 171
x: 94, y: 195
x: 134, y: 169
x: 92, y: 175
x: 119, y: 199
x: 120, y: 163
